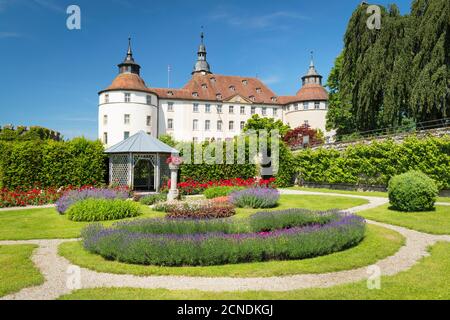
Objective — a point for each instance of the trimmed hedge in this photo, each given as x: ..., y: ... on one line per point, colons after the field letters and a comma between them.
x: 102, y: 210
x: 377, y: 163
x: 213, y: 172
x: 412, y: 191
x: 78, y: 162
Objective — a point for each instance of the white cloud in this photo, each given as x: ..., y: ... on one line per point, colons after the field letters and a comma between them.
x: 50, y: 5
x: 6, y: 34
x: 277, y: 20
x: 271, y: 79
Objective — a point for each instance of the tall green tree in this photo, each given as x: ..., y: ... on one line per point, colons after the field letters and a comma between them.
x: 339, y: 115
x: 396, y: 74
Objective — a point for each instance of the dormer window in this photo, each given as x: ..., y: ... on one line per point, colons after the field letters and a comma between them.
x: 232, y: 88
x: 204, y: 86
x: 252, y: 98
x: 213, y: 80
x: 170, y: 93
x: 244, y: 82
x: 218, y: 96
x: 195, y: 94
x: 258, y: 90
x: 274, y: 99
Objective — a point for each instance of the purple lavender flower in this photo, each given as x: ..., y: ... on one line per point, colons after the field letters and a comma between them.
x: 255, y: 198
x: 73, y: 196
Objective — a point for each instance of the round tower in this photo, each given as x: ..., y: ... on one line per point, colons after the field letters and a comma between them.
x: 309, y: 106
x: 127, y: 106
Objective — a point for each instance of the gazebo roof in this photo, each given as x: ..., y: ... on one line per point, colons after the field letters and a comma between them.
x: 141, y: 142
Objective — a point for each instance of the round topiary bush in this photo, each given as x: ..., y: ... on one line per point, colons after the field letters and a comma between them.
x: 102, y: 210
x: 412, y: 191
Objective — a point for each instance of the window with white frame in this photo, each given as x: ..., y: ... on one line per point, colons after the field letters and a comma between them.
x: 149, y: 99
x: 207, y: 108
x: 207, y: 125
x: 105, y: 119
x: 231, y: 109
x: 264, y: 111
x: 296, y: 107
x: 170, y: 106
x: 105, y: 137
x: 126, y: 119
x: 231, y: 125
x: 195, y: 124
x: 106, y: 98
x: 242, y: 109
x: 127, y: 97
x: 149, y: 121
x: 253, y: 110
x: 275, y: 112
x: 170, y: 124
x: 316, y: 105
x: 219, y: 125
x: 195, y: 107
x: 305, y: 105
x: 219, y: 108
x: 242, y: 125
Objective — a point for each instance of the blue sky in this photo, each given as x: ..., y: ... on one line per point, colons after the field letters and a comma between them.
x: 50, y: 75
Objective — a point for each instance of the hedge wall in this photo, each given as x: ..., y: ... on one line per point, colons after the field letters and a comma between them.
x: 51, y: 164
x: 376, y: 163
x: 214, y: 172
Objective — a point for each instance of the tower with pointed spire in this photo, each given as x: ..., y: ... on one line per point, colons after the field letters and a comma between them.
x: 129, y: 65
x: 312, y: 77
x: 201, y: 66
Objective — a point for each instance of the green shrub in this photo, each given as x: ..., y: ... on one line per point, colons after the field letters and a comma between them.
x: 412, y: 191
x: 376, y: 163
x: 216, y: 192
x: 153, y: 198
x: 49, y: 163
x: 103, y: 210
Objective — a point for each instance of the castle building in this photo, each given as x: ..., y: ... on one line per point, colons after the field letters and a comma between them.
x: 210, y: 106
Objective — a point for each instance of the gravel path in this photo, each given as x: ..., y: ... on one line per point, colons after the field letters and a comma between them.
x: 55, y: 268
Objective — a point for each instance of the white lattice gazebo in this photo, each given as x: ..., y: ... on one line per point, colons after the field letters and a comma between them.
x: 139, y: 162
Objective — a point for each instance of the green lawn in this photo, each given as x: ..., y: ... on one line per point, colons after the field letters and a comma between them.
x: 430, y: 279
x: 48, y: 224
x: 17, y: 271
x: 378, y: 244
x: 435, y: 222
x: 357, y: 193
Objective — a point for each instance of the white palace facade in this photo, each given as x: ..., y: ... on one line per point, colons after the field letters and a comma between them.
x: 210, y: 106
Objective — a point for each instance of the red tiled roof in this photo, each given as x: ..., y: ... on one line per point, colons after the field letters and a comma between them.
x: 127, y: 81
x: 215, y: 87
x: 312, y: 92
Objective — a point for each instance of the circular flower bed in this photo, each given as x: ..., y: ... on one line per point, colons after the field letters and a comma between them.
x: 283, y: 235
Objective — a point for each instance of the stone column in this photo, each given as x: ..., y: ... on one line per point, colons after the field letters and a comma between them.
x: 173, y: 192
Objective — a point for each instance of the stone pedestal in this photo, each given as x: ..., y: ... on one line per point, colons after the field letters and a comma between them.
x: 173, y: 192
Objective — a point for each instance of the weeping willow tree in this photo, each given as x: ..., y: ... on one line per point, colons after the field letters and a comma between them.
x: 401, y: 72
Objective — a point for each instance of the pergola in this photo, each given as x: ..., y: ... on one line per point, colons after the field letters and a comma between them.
x: 139, y: 162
